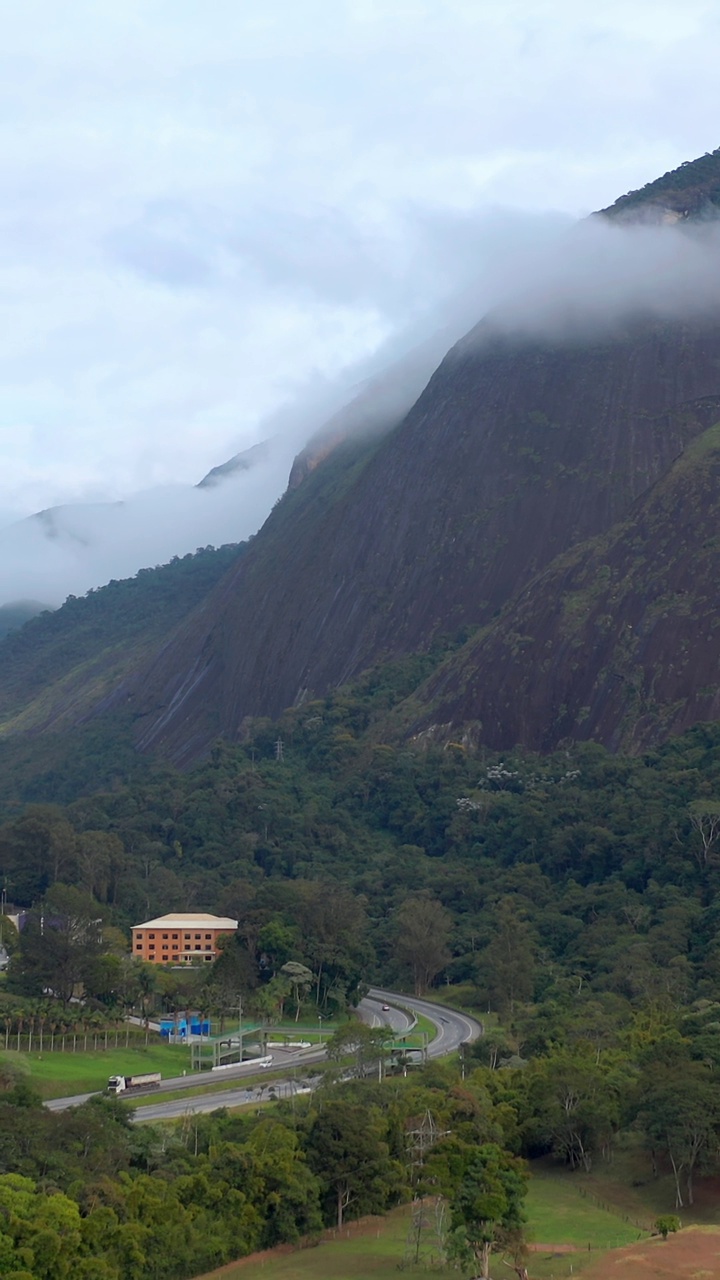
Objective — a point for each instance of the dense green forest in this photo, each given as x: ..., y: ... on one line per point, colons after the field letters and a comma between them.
x: 607, y: 868
x: 574, y: 896
x: 603, y: 868
x: 87, y: 1194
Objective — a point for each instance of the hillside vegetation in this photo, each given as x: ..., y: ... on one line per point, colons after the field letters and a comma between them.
x: 61, y: 663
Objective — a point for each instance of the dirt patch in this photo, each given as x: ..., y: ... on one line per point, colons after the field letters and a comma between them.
x: 693, y: 1254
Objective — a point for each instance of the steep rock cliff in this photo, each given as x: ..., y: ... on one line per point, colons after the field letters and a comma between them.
x: 618, y: 641
x: 517, y: 450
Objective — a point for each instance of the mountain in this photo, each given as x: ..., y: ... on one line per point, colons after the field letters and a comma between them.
x: 57, y: 667
x: 617, y: 641
x: 15, y: 614
x: 244, y: 461
x: 76, y: 547
x: 515, y: 452
x: 690, y: 192
x: 530, y: 451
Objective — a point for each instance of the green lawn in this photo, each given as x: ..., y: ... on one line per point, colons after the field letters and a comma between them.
x: 56, y: 1075
x: 562, y: 1209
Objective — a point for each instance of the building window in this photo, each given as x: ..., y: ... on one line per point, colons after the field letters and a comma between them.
x: 175, y: 937
x: 187, y: 937
x: 138, y: 946
x: 208, y: 947
x: 208, y: 937
x: 165, y: 946
x: 197, y: 946
x: 198, y: 937
x: 165, y: 935
x: 151, y: 935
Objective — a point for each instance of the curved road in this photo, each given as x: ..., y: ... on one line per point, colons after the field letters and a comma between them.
x: 453, y: 1029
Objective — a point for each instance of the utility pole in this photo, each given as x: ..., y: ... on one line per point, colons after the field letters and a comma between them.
x: 279, y: 749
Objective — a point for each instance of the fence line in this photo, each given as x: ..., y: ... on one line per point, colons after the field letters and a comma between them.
x: 64, y: 1042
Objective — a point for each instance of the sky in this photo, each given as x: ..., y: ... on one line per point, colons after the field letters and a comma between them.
x: 218, y: 218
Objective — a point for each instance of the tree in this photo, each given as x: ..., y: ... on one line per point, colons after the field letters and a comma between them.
x: 705, y: 820
x: 347, y: 1151
x: 365, y: 1044
x: 60, y: 944
x: 422, y: 930
x: 574, y: 1105
x: 488, y: 1202
x: 680, y: 1114
x: 667, y: 1224
x: 506, y: 968
x: 332, y: 923
x: 301, y: 980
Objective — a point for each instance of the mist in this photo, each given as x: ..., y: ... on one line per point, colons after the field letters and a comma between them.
x: 71, y: 548
x: 542, y: 276
x: 604, y: 274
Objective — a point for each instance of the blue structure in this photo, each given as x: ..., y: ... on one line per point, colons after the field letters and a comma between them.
x: 184, y: 1027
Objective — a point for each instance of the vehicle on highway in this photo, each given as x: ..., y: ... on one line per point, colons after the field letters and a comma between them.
x: 386, y: 1008
x: 122, y: 1084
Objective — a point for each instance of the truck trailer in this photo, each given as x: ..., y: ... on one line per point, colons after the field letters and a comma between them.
x: 123, y: 1084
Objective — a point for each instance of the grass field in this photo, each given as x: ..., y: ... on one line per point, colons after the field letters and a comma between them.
x: 562, y: 1210
x: 626, y: 1186
x: 56, y: 1075
x: 559, y: 1215
x: 368, y: 1250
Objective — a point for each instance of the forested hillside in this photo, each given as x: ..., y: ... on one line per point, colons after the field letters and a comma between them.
x: 59, y: 664
x: 573, y: 895
x: 580, y: 864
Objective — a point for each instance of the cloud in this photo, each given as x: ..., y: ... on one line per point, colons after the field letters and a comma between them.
x: 606, y: 272
x: 206, y: 206
x: 218, y: 219
x: 537, y: 275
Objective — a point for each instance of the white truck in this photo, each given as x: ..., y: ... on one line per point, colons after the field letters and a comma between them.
x: 124, y: 1084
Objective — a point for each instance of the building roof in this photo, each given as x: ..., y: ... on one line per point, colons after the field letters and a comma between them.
x: 189, y: 921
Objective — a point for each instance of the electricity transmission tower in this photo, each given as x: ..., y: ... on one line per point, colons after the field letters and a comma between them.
x: 426, y: 1236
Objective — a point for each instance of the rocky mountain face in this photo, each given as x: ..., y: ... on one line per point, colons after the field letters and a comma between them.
x: 618, y: 641
x: 515, y: 452
x: 552, y: 494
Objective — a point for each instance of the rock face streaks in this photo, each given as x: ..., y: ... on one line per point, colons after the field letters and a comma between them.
x: 516, y: 452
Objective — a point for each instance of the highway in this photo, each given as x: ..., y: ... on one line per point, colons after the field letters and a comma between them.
x: 291, y: 1072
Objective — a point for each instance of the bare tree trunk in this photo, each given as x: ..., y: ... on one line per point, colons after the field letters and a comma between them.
x: 678, y: 1193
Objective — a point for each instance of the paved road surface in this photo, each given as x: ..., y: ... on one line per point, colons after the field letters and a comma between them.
x: 453, y: 1029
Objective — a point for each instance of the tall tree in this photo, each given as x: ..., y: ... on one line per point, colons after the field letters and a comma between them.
x: 680, y: 1115
x: 422, y: 930
x: 488, y: 1202
x: 347, y: 1151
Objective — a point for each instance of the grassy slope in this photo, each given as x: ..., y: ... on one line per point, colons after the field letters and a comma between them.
x: 58, y: 1075
x: 606, y: 1210
x: 558, y: 1214
x: 372, y: 1248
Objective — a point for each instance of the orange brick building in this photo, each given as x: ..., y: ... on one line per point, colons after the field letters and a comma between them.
x: 180, y: 939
